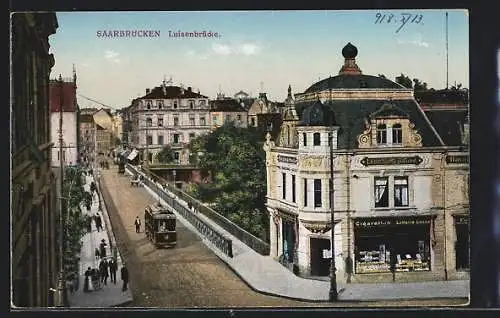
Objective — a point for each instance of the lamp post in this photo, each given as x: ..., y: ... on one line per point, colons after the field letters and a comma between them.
x: 61, y: 297
x: 174, y: 174
x: 333, y: 294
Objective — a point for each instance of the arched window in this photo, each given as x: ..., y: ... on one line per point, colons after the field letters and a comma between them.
x: 381, y: 134
x: 397, y: 134
x: 149, y: 122
x: 316, y: 139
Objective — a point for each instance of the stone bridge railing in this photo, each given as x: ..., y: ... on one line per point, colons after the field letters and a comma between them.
x: 222, y: 242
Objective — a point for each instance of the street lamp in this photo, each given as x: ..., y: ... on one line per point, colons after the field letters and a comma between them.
x: 333, y: 294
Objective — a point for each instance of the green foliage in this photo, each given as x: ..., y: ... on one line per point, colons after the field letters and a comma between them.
x: 166, y: 155
x: 404, y: 80
x: 236, y: 160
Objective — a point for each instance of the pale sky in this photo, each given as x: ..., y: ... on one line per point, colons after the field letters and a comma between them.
x: 277, y: 48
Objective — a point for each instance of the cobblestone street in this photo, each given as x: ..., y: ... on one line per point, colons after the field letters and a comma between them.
x: 190, y: 275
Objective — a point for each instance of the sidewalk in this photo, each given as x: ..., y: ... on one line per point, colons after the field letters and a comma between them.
x: 267, y: 276
x: 110, y: 295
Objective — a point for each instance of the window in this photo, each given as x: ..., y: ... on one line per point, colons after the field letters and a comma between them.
x: 149, y: 122
x: 202, y: 102
x: 317, y: 193
x: 381, y: 192
x: 175, y: 104
x: 252, y: 121
x: 176, y: 138
x: 304, y: 138
x: 191, y: 121
x: 283, y: 187
x: 305, y: 192
x: 191, y: 104
x: 150, y: 157
x: 238, y: 117
x: 160, y: 121
x: 149, y: 140
x: 176, y: 121
x: 216, y: 118
x: 148, y: 104
x: 316, y: 139
x: 160, y: 104
x: 397, y: 134
x: 202, y: 121
x: 160, y: 139
x: 176, y: 157
x: 228, y: 118
x: 381, y: 134
x: 400, y: 191
x: 293, y: 188
x: 191, y: 136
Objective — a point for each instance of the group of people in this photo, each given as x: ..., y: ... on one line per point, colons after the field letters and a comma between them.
x: 97, y: 277
x: 97, y: 221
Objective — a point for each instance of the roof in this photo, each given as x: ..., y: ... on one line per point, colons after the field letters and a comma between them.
x: 86, y: 118
x: 449, y: 125
x: 171, y: 92
x: 67, y: 98
x: 99, y: 127
x: 89, y: 111
x: 350, y: 115
x: 226, y: 105
x: 241, y: 93
x: 443, y: 97
x: 247, y: 102
x: 353, y: 81
x: 317, y: 114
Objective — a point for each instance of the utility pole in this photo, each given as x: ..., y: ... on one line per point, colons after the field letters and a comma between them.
x: 446, y: 50
x: 333, y: 294
x: 61, y: 297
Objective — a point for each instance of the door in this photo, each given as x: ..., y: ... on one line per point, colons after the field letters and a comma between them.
x: 320, y: 266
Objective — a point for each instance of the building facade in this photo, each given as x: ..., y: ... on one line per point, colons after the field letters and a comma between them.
x: 117, y: 129
x: 227, y: 110
x: 261, y: 106
x: 34, y: 218
x: 168, y: 115
x: 87, y: 137
x: 398, y: 192
x: 102, y: 141
x: 63, y: 92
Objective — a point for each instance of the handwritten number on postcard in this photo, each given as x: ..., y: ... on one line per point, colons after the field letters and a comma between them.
x: 402, y: 21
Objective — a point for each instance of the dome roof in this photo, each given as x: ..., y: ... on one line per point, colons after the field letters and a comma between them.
x: 349, y: 51
x: 353, y: 81
x: 317, y: 114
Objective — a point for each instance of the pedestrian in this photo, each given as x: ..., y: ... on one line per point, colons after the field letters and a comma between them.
x: 124, y: 276
x: 113, y: 267
x: 102, y: 248
x: 88, y: 222
x: 98, y: 222
x: 97, y: 254
x: 94, y: 274
x: 393, y: 261
x: 103, y: 269
x: 137, y: 225
x: 86, y: 284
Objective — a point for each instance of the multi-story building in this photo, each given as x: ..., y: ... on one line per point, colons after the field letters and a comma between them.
x: 117, y: 128
x: 63, y: 95
x: 87, y: 137
x: 102, y: 140
x: 227, y: 110
x: 261, y: 106
x: 397, y: 187
x: 34, y: 218
x: 168, y: 115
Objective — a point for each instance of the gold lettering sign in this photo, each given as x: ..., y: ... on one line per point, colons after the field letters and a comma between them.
x: 457, y: 159
x: 287, y: 159
x: 383, y: 222
x: 383, y: 161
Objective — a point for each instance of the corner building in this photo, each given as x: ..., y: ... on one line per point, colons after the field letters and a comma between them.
x: 397, y: 188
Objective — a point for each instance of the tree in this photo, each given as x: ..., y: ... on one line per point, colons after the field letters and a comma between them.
x: 166, y: 155
x: 404, y: 80
x: 418, y: 85
x: 236, y: 161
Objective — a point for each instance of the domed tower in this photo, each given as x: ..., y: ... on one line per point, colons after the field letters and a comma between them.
x: 288, y: 133
x: 316, y: 124
x: 350, y: 67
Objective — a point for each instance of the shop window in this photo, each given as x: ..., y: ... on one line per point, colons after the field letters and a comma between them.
x: 381, y: 192
x: 305, y: 192
x: 382, y: 134
x: 304, y: 139
x: 400, y: 191
x: 397, y: 134
x: 316, y: 139
x: 293, y: 188
x: 283, y: 185
x: 317, y: 193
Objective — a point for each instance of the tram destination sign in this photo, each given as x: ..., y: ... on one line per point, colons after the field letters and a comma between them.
x: 385, y: 222
x: 389, y: 161
x: 457, y: 159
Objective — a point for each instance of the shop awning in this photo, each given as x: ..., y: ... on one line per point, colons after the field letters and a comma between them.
x: 132, y: 155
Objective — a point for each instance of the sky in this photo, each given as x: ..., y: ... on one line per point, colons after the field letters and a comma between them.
x: 255, y: 51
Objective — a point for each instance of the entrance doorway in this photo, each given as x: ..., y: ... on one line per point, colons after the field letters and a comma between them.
x: 462, y: 246
x: 320, y: 266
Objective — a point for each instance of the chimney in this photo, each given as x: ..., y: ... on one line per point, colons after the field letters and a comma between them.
x: 189, y: 89
x: 147, y: 90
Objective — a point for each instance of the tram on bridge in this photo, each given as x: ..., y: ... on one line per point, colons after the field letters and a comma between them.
x: 160, y: 225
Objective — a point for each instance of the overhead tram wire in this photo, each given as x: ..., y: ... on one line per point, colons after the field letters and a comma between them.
x: 95, y: 101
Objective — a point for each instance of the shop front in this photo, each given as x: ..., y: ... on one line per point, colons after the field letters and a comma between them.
x: 405, y: 241
x: 289, y: 240
x: 462, y: 242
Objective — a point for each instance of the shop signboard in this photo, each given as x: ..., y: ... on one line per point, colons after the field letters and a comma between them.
x: 390, y: 221
x: 390, y: 161
x: 457, y: 159
x: 287, y: 159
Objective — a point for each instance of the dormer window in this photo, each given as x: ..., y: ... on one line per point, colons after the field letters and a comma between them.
x: 160, y: 104
x: 397, y: 134
x: 381, y: 134
x: 316, y: 139
x: 175, y: 104
x: 148, y: 104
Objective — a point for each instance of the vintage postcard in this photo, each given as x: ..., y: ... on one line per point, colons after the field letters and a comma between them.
x: 240, y: 159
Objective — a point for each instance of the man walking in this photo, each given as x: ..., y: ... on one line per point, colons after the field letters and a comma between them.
x: 137, y: 225
x: 124, y: 274
x: 102, y: 248
x: 103, y: 269
x: 113, y: 267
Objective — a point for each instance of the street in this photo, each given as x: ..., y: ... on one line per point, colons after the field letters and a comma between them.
x: 190, y: 275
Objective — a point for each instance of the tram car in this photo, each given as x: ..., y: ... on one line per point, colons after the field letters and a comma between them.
x: 160, y: 225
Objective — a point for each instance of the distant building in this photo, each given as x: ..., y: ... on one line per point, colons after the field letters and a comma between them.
x: 261, y: 105
x: 227, y: 110
x: 102, y: 140
x: 87, y: 137
x: 167, y: 115
x: 63, y: 92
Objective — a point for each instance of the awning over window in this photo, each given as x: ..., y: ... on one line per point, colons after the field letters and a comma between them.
x: 132, y: 155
